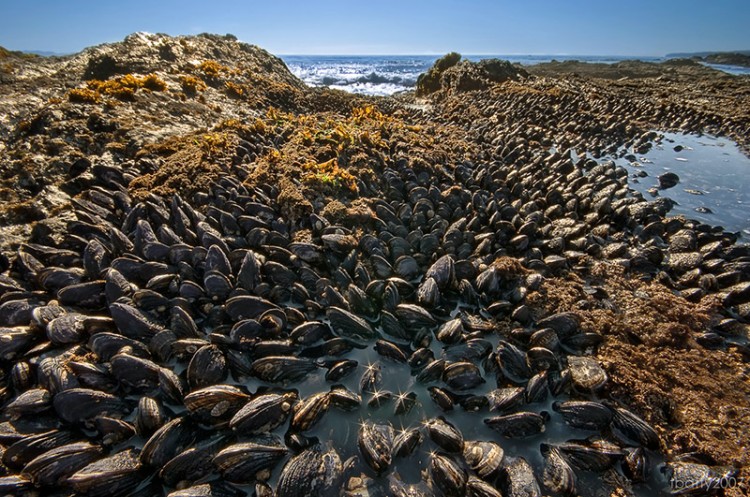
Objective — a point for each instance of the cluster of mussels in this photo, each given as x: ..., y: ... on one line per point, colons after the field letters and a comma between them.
x: 195, y: 348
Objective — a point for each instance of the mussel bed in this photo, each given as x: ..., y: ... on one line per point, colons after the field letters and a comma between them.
x: 215, y: 347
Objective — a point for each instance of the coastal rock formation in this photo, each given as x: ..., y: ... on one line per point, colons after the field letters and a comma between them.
x: 209, y: 269
x: 451, y: 74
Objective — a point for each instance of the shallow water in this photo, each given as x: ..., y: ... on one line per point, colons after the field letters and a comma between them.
x: 714, y: 175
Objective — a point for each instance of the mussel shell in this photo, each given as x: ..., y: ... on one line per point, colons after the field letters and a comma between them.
x: 56, y: 465
x: 312, y: 473
x: 263, y: 413
x: 375, y: 442
x: 167, y: 442
x: 518, y: 425
x: 558, y: 476
x: 583, y: 414
x: 448, y: 476
x: 247, y: 462
x: 111, y: 476
x: 444, y: 434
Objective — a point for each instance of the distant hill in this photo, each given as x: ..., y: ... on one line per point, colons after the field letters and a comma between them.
x: 684, y: 55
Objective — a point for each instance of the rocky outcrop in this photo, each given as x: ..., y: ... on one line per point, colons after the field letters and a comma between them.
x: 730, y: 59
x: 452, y: 74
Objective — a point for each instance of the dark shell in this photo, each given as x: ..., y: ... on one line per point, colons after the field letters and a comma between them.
x: 77, y: 405
x: 375, y: 442
x: 31, y: 401
x: 442, y: 272
x: 432, y: 372
x: 263, y: 413
x: 505, y: 399
x: 207, y: 367
x: 390, y: 350
x: 111, y: 476
x: 56, y: 465
x: 413, y: 316
x: 215, y: 404
x: 451, y: 331
x: 371, y: 378
x: 280, y: 369
x: 135, y: 372
x: 586, y: 415
x: 344, y: 399
x: 519, y: 480
x: 444, y: 434
x: 518, y: 425
x: 462, y: 376
x: 27, y: 448
x: 341, y: 369
x: 312, y: 473
x: 484, y: 458
x: 250, y: 461
x: 346, y: 324
x: 404, y: 403
x: 149, y: 416
x: 558, y: 476
x: 213, y: 489
x: 635, y: 464
x: 191, y: 465
x: 512, y: 362
x: 448, y: 476
x: 309, y: 411
x: 478, y: 488
x: 634, y: 428
x: 442, y: 398
x: 586, y: 457
x: 406, y: 442
x: 167, y: 442
x: 310, y: 332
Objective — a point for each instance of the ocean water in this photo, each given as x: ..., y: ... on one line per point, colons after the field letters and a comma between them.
x: 388, y: 74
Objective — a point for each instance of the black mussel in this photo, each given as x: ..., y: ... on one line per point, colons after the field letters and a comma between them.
x: 339, y: 370
x: 433, y: 371
x: 191, y: 465
x: 442, y: 398
x: 149, y: 417
x: 56, y: 465
x: 309, y: 411
x: 584, y: 414
x: 537, y: 388
x: 281, y: 369
x: 413, y: 316
x: 634, y: 428
x: 635, y: 464
x: 390, y: 350
x: 371, y: 378
x: 215, y: 404
x: 518, y: 425
x: 312, y: 473
x: 462, y: 376
x: 27, y: 448
x: 167, y: 442
x: 448, y: 476
x: 512, y: 362
x: 347, y: 324
x: 406, y: 442
x: 115, y: 475
x: 505, y: 399
x: 344, y: 399
x: 263, y: 413
x: 588, y: 456
x: 450, y: 332
x: 442, y: 272
x: 375, y: 443
x: 479, y: 488
x: 249, y: 461
x: 558, y: 476
x: 404, y: 403
x: 444, y: 434
x: 78, y: 405
x: 208, y: 366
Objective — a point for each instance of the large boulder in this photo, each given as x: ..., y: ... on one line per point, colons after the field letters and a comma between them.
x: 452, y: 74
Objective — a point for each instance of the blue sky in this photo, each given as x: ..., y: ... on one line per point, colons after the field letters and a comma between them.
x: 580, y: 27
